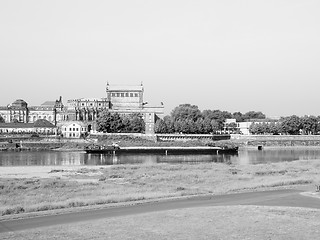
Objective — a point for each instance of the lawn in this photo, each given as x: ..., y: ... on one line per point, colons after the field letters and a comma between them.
x: 229, y: 222
x: 128, y: 183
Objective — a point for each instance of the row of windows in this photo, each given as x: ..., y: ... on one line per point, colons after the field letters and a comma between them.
x: 91, y: 104
x: 74, y: 129
x: 124, y: 94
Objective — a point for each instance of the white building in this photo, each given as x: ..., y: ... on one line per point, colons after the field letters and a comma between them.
x: 73, y: 129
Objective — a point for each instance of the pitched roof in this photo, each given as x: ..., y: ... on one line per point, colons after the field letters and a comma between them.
x: 48, y: 103
x: 16, y: 125
x: 41, y: 123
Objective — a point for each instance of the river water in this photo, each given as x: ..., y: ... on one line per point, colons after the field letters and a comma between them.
x: 244, y: 157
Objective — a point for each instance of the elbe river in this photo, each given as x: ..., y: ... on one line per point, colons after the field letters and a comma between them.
x: 67, y: 158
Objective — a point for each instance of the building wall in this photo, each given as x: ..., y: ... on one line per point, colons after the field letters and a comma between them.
x: 125, y: 97
x: 72, y: 129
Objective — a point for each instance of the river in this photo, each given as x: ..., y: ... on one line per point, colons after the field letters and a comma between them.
x: 244, y: 157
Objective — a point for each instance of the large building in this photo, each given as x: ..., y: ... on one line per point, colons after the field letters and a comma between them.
x: 20, y: 112
x: 119, y: 99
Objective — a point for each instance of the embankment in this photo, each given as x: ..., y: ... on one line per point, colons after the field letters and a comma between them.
x: 276, y: 140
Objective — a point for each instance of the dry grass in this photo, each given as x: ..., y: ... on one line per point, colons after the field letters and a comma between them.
x: 230, y: 222
x: 125, y: 183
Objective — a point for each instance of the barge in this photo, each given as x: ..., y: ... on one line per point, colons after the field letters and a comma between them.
x: 116, y: 150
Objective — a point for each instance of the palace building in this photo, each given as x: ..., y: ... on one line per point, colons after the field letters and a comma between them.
x: 84, y: 111
x: 119, y: 99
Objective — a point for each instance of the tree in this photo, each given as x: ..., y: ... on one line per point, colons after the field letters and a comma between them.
x: 104, y: 121
x: 160, y: 126
x: 291, y: 125
x: 216, y: 126
x: 238, y: 116
x: 309, y: 124
x: 253, y: 115
x: 109, y: 122
x: 207, y: 127
x: 169, y: 124
x: 137, y: 124
x: 186, y: 111
x: 200, y: 125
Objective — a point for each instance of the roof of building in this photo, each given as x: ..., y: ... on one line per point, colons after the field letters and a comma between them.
x: 19, y: 103
x: 49, y: 103
x: 41, y: 123
x: 16, y: 125
x: 124, y: 88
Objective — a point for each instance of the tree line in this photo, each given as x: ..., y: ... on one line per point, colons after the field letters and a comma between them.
x: 291, y: 125
x: 115, y: 123
x: 188, y: 119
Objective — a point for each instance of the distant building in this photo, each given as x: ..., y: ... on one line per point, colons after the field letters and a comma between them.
x: 41, y: 126
x: 244, y: 127
x: 73, y: 129
x: 20, y: 112
x: 120, y: 99
x: 85, y: 111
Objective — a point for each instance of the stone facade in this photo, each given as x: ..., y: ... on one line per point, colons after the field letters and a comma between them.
x: 119, y: 99
x: 19, y: 111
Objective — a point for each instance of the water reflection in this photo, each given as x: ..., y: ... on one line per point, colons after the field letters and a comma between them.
x: 244, y: 157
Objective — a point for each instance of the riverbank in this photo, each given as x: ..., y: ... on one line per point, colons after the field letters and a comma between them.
x: 34, y: 189
x: 242, y: 141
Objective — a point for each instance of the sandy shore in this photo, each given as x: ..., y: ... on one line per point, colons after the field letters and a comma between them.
x: 43, y: 171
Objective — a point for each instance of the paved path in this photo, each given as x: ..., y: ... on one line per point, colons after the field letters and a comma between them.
x: 287, y: 197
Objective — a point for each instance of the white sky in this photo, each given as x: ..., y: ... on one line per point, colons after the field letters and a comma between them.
x: 228, y: 55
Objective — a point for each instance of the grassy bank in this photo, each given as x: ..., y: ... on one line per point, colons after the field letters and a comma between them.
x: 127, y: 183
x: 227, y: 222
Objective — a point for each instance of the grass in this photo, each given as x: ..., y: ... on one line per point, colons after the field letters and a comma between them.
x: 127, y: 183
x: 228, y: 222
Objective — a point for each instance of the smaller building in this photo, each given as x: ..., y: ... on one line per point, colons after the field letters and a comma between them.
x: 73, y: 129
x: 41, y: 126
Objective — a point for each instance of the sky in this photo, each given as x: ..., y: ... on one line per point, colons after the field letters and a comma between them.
x: 232, y: 55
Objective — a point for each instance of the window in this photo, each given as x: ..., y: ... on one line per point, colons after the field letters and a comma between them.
x: 136, y: 94
x: 122, y: 94
x: 127, y: 94
x: 131, y: 94
x: 113, y: 94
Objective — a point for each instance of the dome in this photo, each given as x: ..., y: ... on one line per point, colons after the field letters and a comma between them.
x: 19, y: 103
